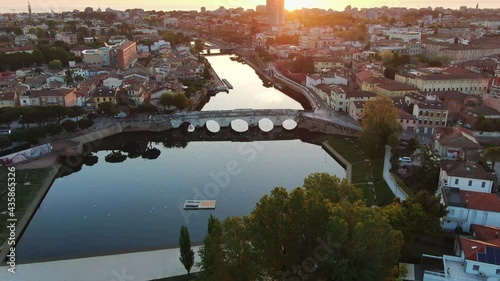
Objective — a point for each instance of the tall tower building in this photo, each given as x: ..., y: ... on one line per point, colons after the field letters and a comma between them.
x: 275, y: 12
x: 29, y: 11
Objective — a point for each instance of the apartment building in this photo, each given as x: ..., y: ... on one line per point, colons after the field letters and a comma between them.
x: 430, y: 112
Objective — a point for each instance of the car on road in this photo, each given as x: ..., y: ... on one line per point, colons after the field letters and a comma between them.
x: 405, y: 159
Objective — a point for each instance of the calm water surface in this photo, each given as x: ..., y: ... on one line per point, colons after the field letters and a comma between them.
x: 137, y: 205
x: 248, y: 91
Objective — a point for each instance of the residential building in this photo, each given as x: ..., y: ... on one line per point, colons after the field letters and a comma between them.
x: 8, y: 99
x: 408, y: 122
x: 352, y: 96
x: 465, y: 175
x: 405, y: 36
x: 356, y: 110
x: 476, y: 258
x: 458, y: 53
x: 318, y: 41
x: 392, y: 88
x: 468, y: 83
x: 126, y: 55
x: 495, y: 84
x: 324, y: 64
x: 334, y: 96
x: 36, y: 82
x: 67, y: 37
x: 465, y: 208
x: 64, y: 97
x: 430, y: 112
x: 455, y: 143
x: 102, y: 95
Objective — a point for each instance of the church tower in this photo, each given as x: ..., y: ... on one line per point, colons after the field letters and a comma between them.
x: 29, y: 11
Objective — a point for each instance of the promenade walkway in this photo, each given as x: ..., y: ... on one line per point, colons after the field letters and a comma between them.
x: 140, y: 266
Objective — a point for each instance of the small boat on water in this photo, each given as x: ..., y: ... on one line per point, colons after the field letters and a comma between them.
x: 191, y: 128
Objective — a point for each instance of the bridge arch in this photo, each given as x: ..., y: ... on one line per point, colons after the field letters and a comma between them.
x: 239, y: 125
x: 289, y: 124
x: 212, y: 126
x: 266, y: 125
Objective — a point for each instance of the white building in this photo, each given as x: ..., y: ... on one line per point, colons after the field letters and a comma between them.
x: 465, y: 176
x: 477, y: 258
x: 67, y: 37
x: 465, y: 208
x: 405, y: 36
x: 112, y: 83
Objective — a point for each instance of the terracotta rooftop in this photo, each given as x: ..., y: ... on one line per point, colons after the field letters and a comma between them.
x: 456, y: 137
x: 486, y: 233
x: 481, y: 201
x: 396, y: 86
x: 360, y: 94
x: 464, y: 169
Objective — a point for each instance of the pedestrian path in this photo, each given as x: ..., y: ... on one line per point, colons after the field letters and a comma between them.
x: 141, y: 266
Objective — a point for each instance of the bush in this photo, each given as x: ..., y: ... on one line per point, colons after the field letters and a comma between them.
x: 53, y: 129
x: 91, y: 116
x: 85, y: 123
x: 69, y: 125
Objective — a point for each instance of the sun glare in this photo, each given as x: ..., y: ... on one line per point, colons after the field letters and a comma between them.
x: 294, y: 4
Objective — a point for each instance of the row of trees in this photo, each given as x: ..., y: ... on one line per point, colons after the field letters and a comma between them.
x: 44, y: 54
x: 179, y: 100
x: 40, y: 115
x: 323, y: 230
x: 487, y: 125
x: 33, y: 135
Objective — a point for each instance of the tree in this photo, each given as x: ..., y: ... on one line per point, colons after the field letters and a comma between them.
x: 85, y: 123
x: 108, y: 108
x: 5, y: 143
x: 492, y: 154
x: 54, y: 129
x: 380, y: 124
x: 199, y: 45
x: 187, y: 254
x: 180, y: 100
x: 332, y: 188
x: 69, y: 77
x: 428, y: 173
x: 69, y: 125
x: 387, y: 56
x: 167, y: 99
x: 55, y: 64
x: 413, y: 145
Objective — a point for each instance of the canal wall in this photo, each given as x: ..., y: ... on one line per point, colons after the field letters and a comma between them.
x: 139, y: 266
x: 337, y: 156
x: 28, y: 214
x: 325, y: 127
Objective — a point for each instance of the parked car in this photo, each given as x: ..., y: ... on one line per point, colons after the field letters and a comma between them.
x: 468, y: 126
x: 405, y: 159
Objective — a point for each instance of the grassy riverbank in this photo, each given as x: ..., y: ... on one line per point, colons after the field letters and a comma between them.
x: 366, y: 172
x: 24, y: 194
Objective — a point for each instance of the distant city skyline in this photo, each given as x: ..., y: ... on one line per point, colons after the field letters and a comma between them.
x: 69, y: 5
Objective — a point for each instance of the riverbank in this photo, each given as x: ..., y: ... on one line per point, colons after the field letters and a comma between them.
x: 363, y: 172
x: 31, y: 188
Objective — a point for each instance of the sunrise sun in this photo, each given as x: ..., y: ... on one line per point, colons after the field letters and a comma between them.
x: 294, y: 4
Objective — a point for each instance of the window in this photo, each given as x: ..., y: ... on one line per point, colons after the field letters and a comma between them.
x: 475, y: 267
x: 456, y: 181
x: 498, y: 271
x: 483, y: 184
x: 470, y: 182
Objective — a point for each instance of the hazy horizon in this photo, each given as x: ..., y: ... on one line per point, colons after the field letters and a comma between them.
x: 69, y: 5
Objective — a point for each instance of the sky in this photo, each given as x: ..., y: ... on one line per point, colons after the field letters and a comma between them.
x: 68, y: 5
